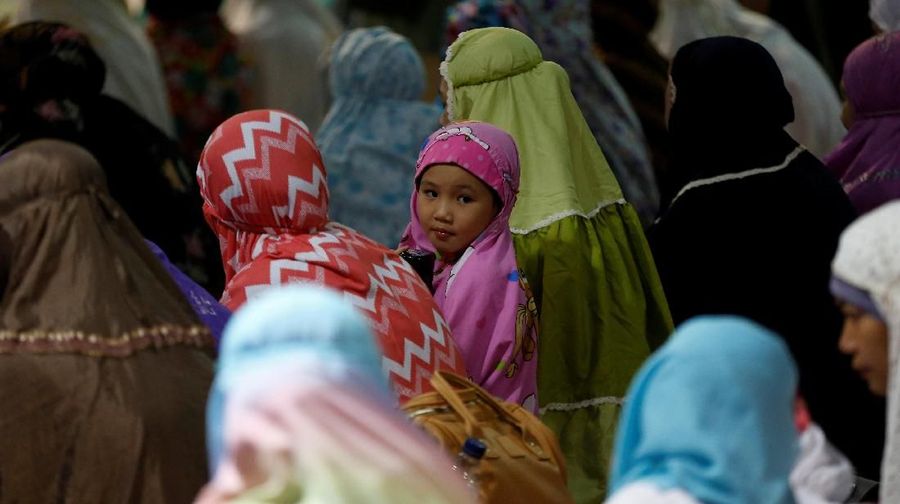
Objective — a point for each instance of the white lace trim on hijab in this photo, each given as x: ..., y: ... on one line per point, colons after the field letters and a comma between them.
x: 589, y: 403
x: 546, y: 221
x: 739, y: 175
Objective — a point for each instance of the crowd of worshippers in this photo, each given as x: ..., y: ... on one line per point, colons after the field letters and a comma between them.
x: 236, y: 238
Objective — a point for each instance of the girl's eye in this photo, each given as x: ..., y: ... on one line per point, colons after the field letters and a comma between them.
x: 465, y: 199
x: 429, y: 193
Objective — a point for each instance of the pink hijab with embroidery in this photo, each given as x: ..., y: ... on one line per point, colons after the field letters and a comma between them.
x: 483, y: 295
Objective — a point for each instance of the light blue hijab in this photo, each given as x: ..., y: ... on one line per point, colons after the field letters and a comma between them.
x: 372, y: 135
x: 712, y: 413
x: 298, y: 332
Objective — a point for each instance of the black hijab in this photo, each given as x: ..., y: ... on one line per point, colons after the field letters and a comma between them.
x: 48, y: 73
x: 729, y: 111
x: 760, y: 243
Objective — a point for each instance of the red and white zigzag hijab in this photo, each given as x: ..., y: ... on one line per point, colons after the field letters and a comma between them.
x: 266, y: 197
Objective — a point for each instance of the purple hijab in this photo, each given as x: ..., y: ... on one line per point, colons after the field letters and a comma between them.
x: 484, y: 297
x: 867, y: 161
x: 213, y: 314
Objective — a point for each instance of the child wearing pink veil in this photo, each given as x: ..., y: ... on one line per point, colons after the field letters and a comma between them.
x: 466, y: 181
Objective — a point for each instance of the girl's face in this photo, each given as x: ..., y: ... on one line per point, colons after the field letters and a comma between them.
x: 454, y: 207
x: 865, y: 338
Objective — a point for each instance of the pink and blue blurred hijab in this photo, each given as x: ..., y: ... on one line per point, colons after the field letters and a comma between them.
x: 484, y: 297
x: 867, y: 161
x: 301, y: 411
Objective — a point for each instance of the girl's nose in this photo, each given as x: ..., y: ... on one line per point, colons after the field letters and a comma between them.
x: 443, y: 212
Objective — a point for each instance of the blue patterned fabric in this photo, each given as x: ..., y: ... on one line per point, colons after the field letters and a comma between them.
x: 371, y: 136
x: 712, y: 413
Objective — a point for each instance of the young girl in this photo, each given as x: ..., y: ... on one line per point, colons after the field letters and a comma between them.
x: 466, y: 181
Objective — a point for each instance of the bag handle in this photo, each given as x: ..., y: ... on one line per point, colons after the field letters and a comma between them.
x: 443, y: 387
x: 443, y: 383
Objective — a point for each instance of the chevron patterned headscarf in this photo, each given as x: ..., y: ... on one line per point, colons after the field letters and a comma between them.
x: 265, y: 196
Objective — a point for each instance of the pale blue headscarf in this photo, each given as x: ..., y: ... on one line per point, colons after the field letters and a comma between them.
x: 371, y: 136
x: 712, y: 413
x: 297, y: 332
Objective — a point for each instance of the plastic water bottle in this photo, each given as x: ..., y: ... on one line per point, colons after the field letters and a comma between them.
x: 468, y: 461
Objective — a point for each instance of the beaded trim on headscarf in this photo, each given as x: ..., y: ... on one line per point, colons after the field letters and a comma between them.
x: 94, y: 345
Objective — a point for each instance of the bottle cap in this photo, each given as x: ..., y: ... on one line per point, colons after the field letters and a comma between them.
x: 474, y: 447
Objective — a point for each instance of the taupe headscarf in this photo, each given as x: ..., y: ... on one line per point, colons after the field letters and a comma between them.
x: 76, y: 275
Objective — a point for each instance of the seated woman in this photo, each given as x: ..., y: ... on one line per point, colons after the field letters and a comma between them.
x: 867, y: 161
x: 104, y: 368
x: 866, y: 282
x: 301, y: 411
x: 753, y: 226
x: 264, y: 186
x: 373, y: 132
x: 705, y: 421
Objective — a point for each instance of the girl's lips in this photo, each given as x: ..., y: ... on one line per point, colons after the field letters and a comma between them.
x: 442, y: 234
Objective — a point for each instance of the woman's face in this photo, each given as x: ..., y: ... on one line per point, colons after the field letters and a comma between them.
x: 865, y: 338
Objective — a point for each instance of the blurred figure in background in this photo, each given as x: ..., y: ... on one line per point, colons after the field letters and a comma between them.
x: 867, y: 162
x: 562, y: 30
x: 885, y: 15
x: 284, y: 41
x: 816, y: 102
x: 134, y: 74
x: 207, y: 81
x: 51, y: 84
x: 371, y: 136
x: 621, y: 31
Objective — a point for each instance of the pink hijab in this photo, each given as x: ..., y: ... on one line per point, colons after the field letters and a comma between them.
x: 484, y: 296
x: 867, y: 161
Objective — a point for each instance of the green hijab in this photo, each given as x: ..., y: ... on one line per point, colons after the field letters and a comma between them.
x: 498, y: 75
